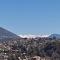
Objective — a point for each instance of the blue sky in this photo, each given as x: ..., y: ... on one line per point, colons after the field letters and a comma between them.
x: 30, y: 16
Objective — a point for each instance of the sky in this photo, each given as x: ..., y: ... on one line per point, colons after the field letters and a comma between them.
x: 30, y: 16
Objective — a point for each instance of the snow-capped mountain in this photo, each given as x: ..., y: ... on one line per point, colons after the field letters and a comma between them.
x: 32, y: 36
x: 57, y: 36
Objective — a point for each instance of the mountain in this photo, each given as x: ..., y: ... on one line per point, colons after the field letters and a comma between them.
x: 5, y: 34
x: 57, y: 36
x: 32, y: 36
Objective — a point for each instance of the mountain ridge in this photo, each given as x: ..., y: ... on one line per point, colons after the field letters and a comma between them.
x: 57, y: 36
x: 5, y: 34
x: 32, y: 36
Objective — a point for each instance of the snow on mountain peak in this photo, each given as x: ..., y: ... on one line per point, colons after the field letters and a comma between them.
x: 33, y: 36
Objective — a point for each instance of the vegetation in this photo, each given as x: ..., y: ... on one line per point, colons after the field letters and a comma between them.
x: 28, y: 48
